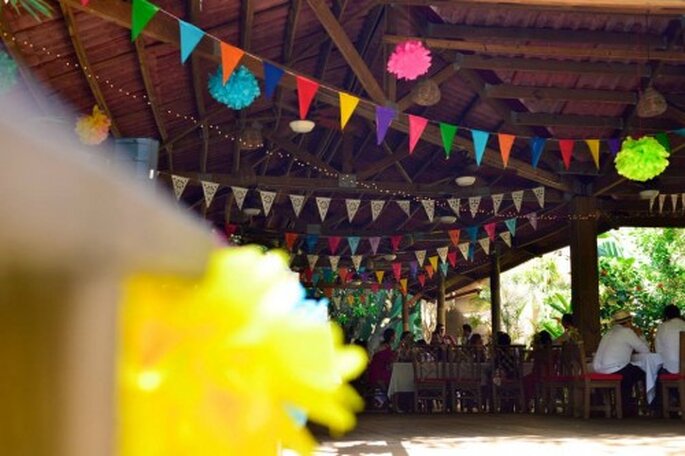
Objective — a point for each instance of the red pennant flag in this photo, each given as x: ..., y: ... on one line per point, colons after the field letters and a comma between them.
x: 416, y: 126
x: 452, y: 258
x: 306, y: 89
x: 566, y: 147
x: 230, y: 56
x: 333, y: 242
x: 231, y: 229
x: 430, y: 271
x: 395, y: 242
x: 85, y: 2
x: 454, y: 236
x: 375, y: 287
x: 422, y: 279
x: 290, y: 239
x: 328, y: 292
x: 505, y: 143
x: 490, y: 229
x: 397, y: 270
x: 343, y: 272
x: 308, y: 274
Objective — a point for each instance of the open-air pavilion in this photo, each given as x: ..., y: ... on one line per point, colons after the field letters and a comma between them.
x: 502, y: 151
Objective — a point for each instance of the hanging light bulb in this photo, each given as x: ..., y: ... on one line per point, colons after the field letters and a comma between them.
x: 651, y: 103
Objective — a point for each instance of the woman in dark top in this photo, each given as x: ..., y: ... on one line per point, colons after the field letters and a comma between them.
x: 381, y: 362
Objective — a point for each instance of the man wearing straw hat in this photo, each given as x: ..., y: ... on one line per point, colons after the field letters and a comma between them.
x: 613, y: 356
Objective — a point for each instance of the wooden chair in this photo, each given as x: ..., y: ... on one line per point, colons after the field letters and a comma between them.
x: 556, y: 383
x: 674, y: 382
x: 430, y: 385
x: 584, y: 383
x: 507, y: 378
x: 464, y: 374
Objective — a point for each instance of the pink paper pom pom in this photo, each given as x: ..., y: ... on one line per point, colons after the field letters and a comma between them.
x: 409, y: 60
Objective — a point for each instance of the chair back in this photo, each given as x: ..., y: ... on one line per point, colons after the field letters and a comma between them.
x: 508, y: 360
x: 465, y: 362
x: 547, y: 361
x: 426, y: 366
x: 681, y: 355
x: 573, y: 359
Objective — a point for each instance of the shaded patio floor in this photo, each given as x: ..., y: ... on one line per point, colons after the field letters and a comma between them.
x: 506, y: 435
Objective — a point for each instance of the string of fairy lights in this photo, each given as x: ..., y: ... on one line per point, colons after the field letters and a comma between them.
x: 281, y: 153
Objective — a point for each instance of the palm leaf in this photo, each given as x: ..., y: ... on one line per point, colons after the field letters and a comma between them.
x: 35, y: 8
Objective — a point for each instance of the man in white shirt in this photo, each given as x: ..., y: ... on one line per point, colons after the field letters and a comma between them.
x: 668, y: 338
x: 613, y: 356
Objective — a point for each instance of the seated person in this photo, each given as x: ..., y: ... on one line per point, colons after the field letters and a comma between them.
x: 614, y: 352
x: 467, y: 333
x: 380, y: 367
x: 539, y: 355
x: 476, y: 341
x: 668, y: 338
x: 570, y: 331
x: 440, y: 336
x: 406, y: 347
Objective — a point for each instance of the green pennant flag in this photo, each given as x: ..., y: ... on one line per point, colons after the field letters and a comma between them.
x: 447, y: 132
x: 142, y: 12
x: 663, y: 140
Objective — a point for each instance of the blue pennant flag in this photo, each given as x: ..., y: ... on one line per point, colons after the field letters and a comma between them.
x: 511, y: 225
x: 472, y: 232
x: 680, y: 131
x: 353, y: 241
x: 615, y: 145
x: 272, y: 75
x: 311, y: 241
x: 413, y: 268
x: 327, y: 275
x: 480, y: 140
x: 537, y: 145
x: 190, y: 38
x: 472, y: 250
x: 443, y: 269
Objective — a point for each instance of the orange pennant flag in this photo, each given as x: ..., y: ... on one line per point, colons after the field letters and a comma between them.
x: 505, y: 143
x: 230, y: 56
x: 454, y: 236
x: 429, y: 269
x: 593, y: 144
x: 379, y: 276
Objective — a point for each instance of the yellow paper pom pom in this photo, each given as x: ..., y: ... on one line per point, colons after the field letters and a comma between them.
x: 93, y: 129
x: 216, y: 365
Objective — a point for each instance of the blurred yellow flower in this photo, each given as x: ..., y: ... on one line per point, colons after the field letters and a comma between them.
x: 217, y: 365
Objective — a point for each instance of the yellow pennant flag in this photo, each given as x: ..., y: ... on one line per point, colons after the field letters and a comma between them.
x: 593, y: 144
x: 434, y: 262
x: 379, y: 276
x: 403, y: 286
x: 348, y: 103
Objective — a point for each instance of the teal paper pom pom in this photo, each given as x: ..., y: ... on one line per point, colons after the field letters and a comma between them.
x: 240, y: 90
x: 8, y: 72
x: 641, y: 159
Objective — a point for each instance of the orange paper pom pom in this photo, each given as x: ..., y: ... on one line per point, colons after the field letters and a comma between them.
x: 93, y: 129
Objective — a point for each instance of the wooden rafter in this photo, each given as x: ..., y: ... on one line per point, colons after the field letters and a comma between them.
x: 338, y: 8
x: 193, y: 7
x: 535, y: 118
x: 288, y: 46
x: 84, y: 63
x: 485, y: 47
x: 510, y: 91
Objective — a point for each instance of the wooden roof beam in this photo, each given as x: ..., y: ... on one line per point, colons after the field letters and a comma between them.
x: 199, y: 88
x: 654, y: 7
x: 327, y: 45
x: 485, y: 47
x: 565, y: 120
x: 84, y: 63
x: 510, y: 91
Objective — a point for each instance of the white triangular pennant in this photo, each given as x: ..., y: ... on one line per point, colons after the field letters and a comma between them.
x: 429, y: 206
x: 323, y: 203
x: 297, y: 201
x: 464, y: 249
x: 539, y: 193
x: 442, y: 253
x: 352, y: 206
x: 267, y: 200
x: 485, y: 243
x: 179, y: 183
x: 209, y: 190
x: 533, y: 219
x: 336, y: 301
x: 674, y: 201
x: 662, y: 200
x: 239, y: 194
x: 420, y: 257
x: 404, y: 205
x: 651, y: 203
x: 357, y: 261
x: 312, y: 259
x: 506, y: 237
x: 474, y: 202
x: 517, y: 197
x: 496, y: 202
x: 454, y: 205
x: 682, y: 201
x: 334, y: 259
x: 376, y: 208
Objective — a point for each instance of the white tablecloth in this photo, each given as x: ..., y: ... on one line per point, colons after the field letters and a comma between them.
x: 650, y: 363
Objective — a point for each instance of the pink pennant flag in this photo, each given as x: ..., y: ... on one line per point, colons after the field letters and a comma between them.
x: 395, y: 242
x: 397, y: 270
x: 422, y: 279
x: 533, y: 219
x: 374, y: 241
x: 375, y: 287
x: 452, y: 258
x: 490, y: 229
x: 333, y: 243
x: 454, y: 236
x: 566, y: 147
x: 306, y: 89
x: 416, y: 126
x: 290, y: 239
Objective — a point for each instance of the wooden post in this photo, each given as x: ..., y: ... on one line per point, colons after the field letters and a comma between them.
x: 495, y: 301
x: 584, y: 270
x: 441, y: 300
x: 405, y: 313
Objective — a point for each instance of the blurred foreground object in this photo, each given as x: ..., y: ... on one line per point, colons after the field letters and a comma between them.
x: 214, y: 366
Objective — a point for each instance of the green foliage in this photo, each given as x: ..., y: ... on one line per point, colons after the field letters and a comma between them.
x: 35, y: 8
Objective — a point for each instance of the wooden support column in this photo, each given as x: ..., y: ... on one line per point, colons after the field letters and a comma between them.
x: 441, y: 299
x: 405, y: 313
x: 584, y: 270
x: 495, y: 300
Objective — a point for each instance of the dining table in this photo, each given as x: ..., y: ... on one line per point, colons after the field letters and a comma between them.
x: 650, y: 363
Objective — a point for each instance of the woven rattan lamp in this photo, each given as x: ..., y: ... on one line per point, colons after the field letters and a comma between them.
x: 426, y: 93
x: 651, y: 103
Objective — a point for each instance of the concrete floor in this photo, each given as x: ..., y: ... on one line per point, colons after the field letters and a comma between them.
x: 506, y: 435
